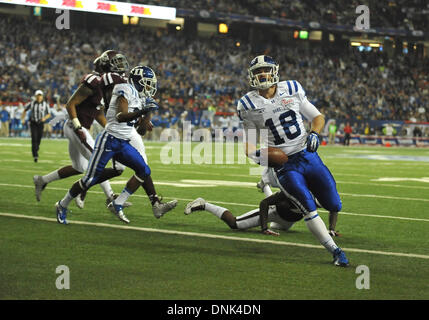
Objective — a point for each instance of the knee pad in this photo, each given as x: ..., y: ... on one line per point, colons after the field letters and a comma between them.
x: 142, y: 173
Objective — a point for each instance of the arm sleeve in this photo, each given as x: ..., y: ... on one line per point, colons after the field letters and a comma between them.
x: 307, y: 109
x: 122, y: 89
x: 91, y: 80
x: 27, y: 106
x: 244, y: 117
x: 48, y: 109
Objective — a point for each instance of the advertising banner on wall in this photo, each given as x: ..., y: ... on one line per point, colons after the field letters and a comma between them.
x: 108, y: 7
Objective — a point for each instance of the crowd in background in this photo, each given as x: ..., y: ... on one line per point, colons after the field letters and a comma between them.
x: 201, y: 77
x: 401, y: 14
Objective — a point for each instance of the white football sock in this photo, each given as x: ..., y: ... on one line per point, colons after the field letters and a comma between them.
x: 317, y: 227
x: 267, y: 191
x: 107, y: 189
x: 125, y: 194
x: 216, y: 210
x: 53, y: 176
x: 248, y: 220
x: 66, y: 200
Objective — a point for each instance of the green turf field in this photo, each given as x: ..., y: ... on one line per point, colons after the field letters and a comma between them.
x: 384, y: 223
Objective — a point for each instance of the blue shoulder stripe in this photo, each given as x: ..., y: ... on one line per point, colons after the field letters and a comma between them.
x: 244, y: 105
x: 295, y: 85
x: 250, y: 102
x: 290, y: 87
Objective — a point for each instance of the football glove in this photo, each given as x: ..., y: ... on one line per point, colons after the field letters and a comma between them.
x: 269, y: 232
x: 313, y: 141
x: 150, y: 105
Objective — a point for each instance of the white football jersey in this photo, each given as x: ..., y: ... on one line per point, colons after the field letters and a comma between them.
x: 122, y: 130
x: 281, y: 115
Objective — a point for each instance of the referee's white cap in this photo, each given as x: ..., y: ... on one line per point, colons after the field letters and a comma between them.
x: 39, y: 92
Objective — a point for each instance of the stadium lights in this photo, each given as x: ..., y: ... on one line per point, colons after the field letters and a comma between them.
x: 178, y: 28
x: 37, y: 11
x: 134, y: 20
x: 237, y: 44
x: 223, y: 28
x: 303, y: 34
x: 355, y: 44
x: 374, y: 45
x: 296, y: 34
x: 125, y: 20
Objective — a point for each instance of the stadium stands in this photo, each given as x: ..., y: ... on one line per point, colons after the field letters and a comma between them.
x: 407, y: 14
x: 202, y: 74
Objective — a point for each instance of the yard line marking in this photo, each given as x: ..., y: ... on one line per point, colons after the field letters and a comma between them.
x: 230, y: 203
x: 381, y: 184
x: 341, y: 193
x: 212, y: 236
x: 382, y: 197
x: 378, y: 216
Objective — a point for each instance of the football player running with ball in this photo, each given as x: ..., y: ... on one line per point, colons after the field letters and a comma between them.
x: 126, y: 108
x: 277, y: 107
x: 149, y: 85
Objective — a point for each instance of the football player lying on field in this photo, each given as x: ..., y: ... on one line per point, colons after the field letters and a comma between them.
x: 280, y: 210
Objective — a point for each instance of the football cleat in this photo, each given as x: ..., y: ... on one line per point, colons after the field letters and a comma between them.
x: 161, y: 208
x: 125, y: 205
x: 61, y: 213
x: 340, y: 258
x: 80, y: 202
x: 39, y: 185
x: 196, y: 205
x: 117, y: 211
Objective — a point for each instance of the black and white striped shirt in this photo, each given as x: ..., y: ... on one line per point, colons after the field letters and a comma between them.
x: 38, y: 110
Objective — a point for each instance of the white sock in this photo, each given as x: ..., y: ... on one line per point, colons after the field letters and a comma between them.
x: 66, y: 200
x: 53, y: 176
x: 216, y: 210
x: 248, y: 220
x: 317, y: 227
x: 267, y: 191
x: 125, y: 194
x: 107, y: 189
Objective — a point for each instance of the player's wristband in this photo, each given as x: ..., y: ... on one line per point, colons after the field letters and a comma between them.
x: 76, y: 124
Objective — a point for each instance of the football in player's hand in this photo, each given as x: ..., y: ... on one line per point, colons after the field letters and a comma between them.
x: 276, y: 157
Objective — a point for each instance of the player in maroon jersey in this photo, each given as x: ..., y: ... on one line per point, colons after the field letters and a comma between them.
x: 85, y: 106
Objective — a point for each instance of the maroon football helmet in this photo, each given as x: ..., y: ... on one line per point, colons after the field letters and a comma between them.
x: 98, y: 67
x: 114, y: 61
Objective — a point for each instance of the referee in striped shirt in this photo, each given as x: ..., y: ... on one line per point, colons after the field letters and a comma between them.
x: 39, y: 114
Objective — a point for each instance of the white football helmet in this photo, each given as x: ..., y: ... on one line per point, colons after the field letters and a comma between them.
x: 144, y: 80
x: 263, y: 80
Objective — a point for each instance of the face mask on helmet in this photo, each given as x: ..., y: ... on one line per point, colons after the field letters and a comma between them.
x: 114, y: 61
x: 144, y: 80
x: 119, y: 63
x: 263, y: 72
